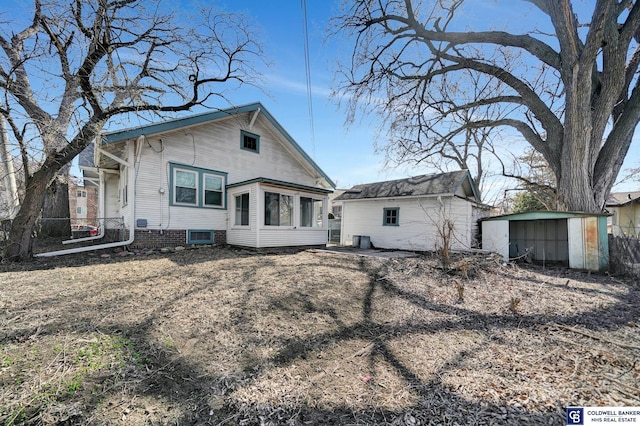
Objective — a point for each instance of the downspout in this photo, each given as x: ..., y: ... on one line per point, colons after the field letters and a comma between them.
x: 130, y: 196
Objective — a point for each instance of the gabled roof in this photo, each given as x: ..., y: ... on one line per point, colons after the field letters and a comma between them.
x: 167, y: 126
x: 453, y: 183
x: 617, y: 199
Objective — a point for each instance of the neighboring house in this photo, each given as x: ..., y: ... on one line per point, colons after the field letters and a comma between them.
x: 411, y: 214
x: 625, y: 213
x: 231, y: 176
x: 83, y: 205
x: 335, y: 207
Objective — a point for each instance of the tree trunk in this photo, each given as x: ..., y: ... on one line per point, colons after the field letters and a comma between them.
x: 20, y: 242
x: 55, y: 221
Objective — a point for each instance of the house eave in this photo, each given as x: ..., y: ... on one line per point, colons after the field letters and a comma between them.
x: 398, y: 197
x: 281, y: 184
x: 182, y: 123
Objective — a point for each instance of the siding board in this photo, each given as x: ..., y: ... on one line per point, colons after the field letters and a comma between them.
x: 420, y: 221
x: 214, y: 146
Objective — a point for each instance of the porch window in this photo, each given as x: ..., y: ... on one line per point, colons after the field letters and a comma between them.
x: 242, y: 210
x: 310, y: 212
x: 278, y: 209
x: 391, y: 216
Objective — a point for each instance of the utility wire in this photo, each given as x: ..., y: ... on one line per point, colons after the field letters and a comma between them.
x: 307, y: 65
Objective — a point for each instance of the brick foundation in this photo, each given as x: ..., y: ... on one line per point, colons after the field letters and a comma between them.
x: 151, y: 238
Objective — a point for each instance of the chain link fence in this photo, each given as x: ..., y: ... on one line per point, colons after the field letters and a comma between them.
x: 52, y: 234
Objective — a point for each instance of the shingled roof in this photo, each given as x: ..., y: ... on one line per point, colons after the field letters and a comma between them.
x: 453, y: 183
x: 617, y: 199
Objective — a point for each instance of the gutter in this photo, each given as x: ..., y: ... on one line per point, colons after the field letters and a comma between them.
x: 130, y: 196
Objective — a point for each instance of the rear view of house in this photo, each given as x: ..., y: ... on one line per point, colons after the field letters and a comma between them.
x: 412, y: 213
x: 230, y: 176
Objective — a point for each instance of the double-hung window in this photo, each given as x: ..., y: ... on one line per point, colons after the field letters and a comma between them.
x: 186, y: 187
x: 212, y: 190
x: 196, y: 187
x: 310, y: 212
x: 278, y: 209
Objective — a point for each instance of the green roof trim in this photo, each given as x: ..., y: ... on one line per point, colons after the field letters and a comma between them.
x: 167, y: 126
x: 280, y: 183
x: 541, y: 215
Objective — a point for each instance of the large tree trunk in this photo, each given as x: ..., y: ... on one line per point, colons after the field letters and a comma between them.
x: 20, y: 241
x: 55, y: 211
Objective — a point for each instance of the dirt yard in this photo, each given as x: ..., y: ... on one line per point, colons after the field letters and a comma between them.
x: 227, y: 337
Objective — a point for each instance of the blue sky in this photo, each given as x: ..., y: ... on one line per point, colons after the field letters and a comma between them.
x: 346, y: 154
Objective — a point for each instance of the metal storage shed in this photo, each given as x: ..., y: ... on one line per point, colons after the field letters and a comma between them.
x: 578, y: 240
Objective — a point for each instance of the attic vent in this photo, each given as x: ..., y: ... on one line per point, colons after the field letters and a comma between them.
x: 200, y: 236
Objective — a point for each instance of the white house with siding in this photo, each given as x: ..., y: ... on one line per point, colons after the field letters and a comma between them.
x: 408, y: 214
x: 230, y: 176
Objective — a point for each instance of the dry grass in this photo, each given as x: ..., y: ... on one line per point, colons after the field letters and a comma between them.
x: 216, y: 336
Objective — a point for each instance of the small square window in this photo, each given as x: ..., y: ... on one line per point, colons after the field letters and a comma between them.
x: 391, y: 217
x: 249, y: 141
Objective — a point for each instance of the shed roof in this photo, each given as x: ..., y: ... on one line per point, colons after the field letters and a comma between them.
x: 426, y: 185
x: 617, y: 199
x: 542, y: 215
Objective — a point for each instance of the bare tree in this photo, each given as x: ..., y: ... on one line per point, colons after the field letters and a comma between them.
x: 429, y: 127
x: 77, y: 65
x: 573, y: 94
x: 630, y: 175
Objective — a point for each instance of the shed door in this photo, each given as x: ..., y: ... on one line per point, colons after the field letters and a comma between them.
x: 546, y: 240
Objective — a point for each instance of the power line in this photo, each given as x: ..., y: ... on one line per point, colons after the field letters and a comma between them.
x: 307, y: 65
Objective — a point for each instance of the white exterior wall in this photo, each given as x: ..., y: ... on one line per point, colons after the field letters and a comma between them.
x: 216, y: 147
x: 419, y: 221
x: 296, y: 235
x: 495, y: 237
x: 257, y: 234
x: 243, y: 235
x: 213, y: 146
x: 112, y: 200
